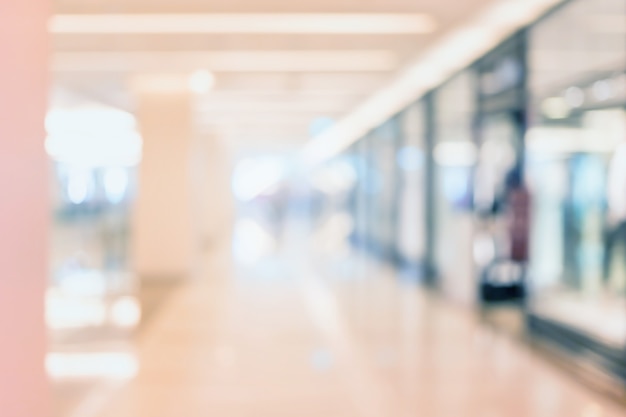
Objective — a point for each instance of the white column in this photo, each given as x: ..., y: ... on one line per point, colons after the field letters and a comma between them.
x: 162, y: 234
x: 24, y: 208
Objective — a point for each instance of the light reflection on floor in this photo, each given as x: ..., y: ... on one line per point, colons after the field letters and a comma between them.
x: 295, y: 327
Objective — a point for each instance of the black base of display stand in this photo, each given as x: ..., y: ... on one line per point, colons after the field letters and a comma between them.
x: 491, y: 293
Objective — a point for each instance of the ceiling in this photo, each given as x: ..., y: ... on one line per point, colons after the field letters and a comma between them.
x: 279, y: 65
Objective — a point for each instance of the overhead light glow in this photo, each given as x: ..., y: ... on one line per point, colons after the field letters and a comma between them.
x: 125, y: 312
x: 452, y: 53
x: 227, y: 61
x: 566, y: 140
x: 118, y: 366
x: 254, y: 175
x: 93, y: 137
x: 115, y: 183
x: 72, y: 313
x: 201, y: 82
x: 555, y: 108
x: 79, y: 186
x: 251, y: 242
x: 254, y: 23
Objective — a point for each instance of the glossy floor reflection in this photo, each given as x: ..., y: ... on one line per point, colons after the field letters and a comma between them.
x: 338, y: 337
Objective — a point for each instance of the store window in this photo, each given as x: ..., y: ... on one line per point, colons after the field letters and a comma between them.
x: 455, y: 156
x: 411, y: 163
x: 499, y: 251
x: 363, y: 191
x: 576, y: 159
x: 94, y: 153
x: 383, y: 175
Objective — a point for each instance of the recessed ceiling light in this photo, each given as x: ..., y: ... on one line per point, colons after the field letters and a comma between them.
x: 295, y: 23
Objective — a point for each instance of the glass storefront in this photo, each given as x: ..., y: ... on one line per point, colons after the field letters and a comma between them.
x: 90, y: 267
x: 454, y: 155
x: 501, y: 112
x: 363, y: 192
x: 576, y: 170
x: 383, y: 175
x: 94, y: 153
x: 411, y: 162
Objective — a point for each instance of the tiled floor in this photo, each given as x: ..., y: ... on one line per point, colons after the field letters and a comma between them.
x: 287, y: 338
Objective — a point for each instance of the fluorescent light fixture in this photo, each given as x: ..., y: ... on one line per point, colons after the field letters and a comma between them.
x: 251, y: 23
x: 443, y: 60
x: 68, y: 312
x: 109, y: 365
x: 229, y: 61
x: 93, y: 137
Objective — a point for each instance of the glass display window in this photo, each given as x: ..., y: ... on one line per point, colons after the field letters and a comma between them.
x: 455, y: 155
x: 411, y: 162
x: 575, y: 160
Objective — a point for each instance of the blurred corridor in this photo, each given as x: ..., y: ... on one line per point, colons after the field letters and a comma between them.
x: 329, y: 335
x: 330, y: 208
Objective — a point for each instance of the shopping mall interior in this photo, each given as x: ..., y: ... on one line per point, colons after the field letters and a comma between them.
x: 329, y: 208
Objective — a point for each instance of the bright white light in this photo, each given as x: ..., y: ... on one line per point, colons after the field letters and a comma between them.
x: 85, y: 119
x: 201, y: 82
x: 71, y: 312
x: 254, y: 175
x: 251, y: 242
x: 79, y: 186
x: 449, y: 55
x: 122, y: 366
x: 115, y: 184
x: 84, y: 283
x: 484, y: 249
x: 555, y: 108
x: 273, y: 23
x: 562, y: 140
x: 456, y: 154
x: 93, y: 137
x: 159, y: 69
x: 126, y: 312
x: 336, y: 178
